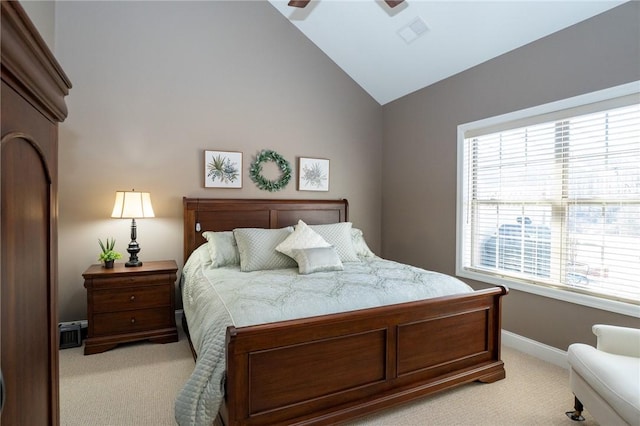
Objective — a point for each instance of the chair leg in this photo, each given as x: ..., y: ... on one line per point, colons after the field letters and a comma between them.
x: 576, y: 415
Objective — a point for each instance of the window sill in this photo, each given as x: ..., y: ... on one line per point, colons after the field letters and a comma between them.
x: 558, y: 294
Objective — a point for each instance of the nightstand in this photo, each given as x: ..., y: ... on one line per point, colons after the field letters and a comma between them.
x: 130, y: 304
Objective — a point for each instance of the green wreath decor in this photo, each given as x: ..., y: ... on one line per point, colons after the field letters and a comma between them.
x: 255, y: 171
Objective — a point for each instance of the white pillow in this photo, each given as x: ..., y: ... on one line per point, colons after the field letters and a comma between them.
x: 222, y: 248
x: 302, y: 237
x: 317, y: 259
x: 257, y: 247
x: 339, y: 236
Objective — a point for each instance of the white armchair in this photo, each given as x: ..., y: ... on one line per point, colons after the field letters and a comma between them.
x: 606, y: 379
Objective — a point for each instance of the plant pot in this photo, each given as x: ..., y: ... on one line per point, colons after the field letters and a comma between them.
x: 108, y: 264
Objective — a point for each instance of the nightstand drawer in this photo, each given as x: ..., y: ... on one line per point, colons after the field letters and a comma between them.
x: 131, y: 298
x: 109, y: 282
x: 131, y: 321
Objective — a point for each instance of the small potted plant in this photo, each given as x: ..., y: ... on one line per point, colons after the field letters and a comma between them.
x: 108, y: 255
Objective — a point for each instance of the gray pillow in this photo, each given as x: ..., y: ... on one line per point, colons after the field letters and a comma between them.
x: 317, y: 259
x: 339, y: 236
x: 200, y: 256
x: 257, y: 247
x: 222, y: 248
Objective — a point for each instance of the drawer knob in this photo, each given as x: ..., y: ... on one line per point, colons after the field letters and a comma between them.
x: 132, y: 298
x: 133, y: 320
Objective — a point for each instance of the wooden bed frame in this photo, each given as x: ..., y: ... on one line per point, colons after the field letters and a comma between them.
x: 327, y: 369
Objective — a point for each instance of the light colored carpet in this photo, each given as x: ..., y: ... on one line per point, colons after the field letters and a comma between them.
x: 136, y: 384
x: 534, y: 393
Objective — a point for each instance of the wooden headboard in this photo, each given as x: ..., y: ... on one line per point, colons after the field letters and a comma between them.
x: 216, y: 214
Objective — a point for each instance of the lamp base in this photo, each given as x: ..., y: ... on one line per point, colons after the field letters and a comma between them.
x: 133, y: 251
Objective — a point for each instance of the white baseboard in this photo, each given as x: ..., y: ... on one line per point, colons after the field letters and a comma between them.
x: 539, y: 350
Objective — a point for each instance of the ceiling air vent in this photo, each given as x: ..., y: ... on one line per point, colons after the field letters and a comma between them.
x: 413, y: 30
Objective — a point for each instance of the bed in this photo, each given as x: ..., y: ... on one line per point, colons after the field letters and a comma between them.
x: 329, y: 368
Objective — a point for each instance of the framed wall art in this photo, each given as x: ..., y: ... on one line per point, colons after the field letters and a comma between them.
x: 313, y: 174
x: 222, y: 169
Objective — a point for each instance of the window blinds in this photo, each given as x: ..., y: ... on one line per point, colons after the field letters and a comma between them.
x: 554, y: 199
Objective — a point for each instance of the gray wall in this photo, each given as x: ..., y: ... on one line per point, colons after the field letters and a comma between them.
x: 156, y: 83
x: 419, y: 197
x: 42, y: 14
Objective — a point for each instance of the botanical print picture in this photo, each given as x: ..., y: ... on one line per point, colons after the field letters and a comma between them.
x: 222, y: 169
x: 313, y: 174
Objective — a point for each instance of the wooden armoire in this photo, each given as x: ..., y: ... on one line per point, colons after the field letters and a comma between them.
x: 32, y: 105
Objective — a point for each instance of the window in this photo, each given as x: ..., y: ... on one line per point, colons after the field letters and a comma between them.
x: 549, y: 199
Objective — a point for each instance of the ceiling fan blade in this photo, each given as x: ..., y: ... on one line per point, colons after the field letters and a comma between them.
x: 393, y: 3
x: 304, y: 3
x: 299, y: 3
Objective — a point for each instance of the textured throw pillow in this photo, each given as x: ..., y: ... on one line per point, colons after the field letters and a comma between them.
x: 317, y: 259
x: 257, y: 247
x: 359, y: 244
x: 339, y: 236
x: 302, y: 237
x: 222, y: 248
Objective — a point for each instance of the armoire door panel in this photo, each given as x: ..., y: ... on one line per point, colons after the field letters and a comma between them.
x: 26, y: 282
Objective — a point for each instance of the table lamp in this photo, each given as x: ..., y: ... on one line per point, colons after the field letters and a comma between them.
x: 135, y: 205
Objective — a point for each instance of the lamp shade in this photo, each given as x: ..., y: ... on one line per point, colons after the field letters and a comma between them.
x: 132, y: 204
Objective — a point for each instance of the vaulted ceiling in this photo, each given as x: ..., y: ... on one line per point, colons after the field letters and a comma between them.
x: 392, y: 52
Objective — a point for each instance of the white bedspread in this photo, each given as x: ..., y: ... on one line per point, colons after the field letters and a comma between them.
x: 214, y: 298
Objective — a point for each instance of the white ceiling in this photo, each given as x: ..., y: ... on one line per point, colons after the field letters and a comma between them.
x: 362, y: 36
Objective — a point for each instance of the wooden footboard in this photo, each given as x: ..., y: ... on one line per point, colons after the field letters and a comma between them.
x: 332, y: 368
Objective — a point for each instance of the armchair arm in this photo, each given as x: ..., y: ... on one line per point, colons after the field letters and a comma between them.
x: 618, y: 340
